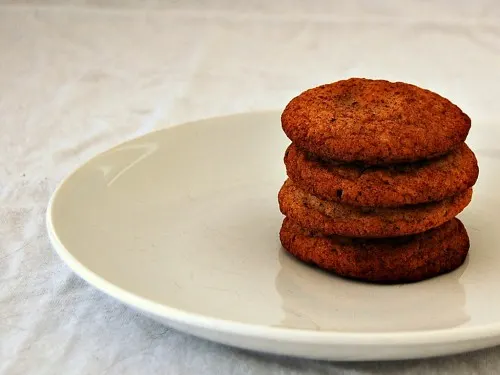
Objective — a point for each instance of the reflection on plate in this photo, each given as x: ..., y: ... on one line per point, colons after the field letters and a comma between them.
x: 310, y: 296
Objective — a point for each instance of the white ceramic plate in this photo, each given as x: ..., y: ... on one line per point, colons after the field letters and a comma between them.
x: 182, y: 224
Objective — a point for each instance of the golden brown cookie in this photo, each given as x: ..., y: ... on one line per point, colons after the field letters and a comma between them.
x: 330, y: 217
x: 374, y: 121
x: 394, y: 260
x: 383, y: 186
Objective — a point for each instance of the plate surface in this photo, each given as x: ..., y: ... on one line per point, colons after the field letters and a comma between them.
x: 182, y: 224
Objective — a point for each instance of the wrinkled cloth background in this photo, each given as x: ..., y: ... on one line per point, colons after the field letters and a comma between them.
x: 77, y: 77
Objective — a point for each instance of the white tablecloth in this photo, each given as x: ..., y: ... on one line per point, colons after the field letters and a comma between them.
x: 77, y: 77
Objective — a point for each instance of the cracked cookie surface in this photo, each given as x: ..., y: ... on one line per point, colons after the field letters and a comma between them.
x: 383, y: 186
x: 374, y: 121
x: 330, y: 217
x: 393, y: 260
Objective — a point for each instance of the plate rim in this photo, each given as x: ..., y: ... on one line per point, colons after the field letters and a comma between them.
x: 232, y: 327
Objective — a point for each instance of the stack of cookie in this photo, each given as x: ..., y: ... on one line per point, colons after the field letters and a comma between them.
x: 377, y: 172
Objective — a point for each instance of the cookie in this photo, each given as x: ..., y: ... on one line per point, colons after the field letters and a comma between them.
x: 374, y: 121
x: 393, y: 260
x: 330, y: 217
x: 383, y: 186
